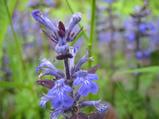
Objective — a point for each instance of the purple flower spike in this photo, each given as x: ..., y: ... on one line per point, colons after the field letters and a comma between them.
x: 84, y: 79
x: 58, y: 96
x: 62, y: 93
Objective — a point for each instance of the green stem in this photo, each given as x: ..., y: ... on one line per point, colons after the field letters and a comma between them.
x: 92, y: 30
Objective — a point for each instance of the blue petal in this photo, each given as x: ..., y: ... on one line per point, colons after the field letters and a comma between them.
x: 92, y: 77
x: 57, y: 101
x: 43, y: 20
x: 93, y: 87
x: 67, y: 88
x: 56, y: 73
x: 52, y: 92
x: 62, y: 100
x: 74, y: 21
x: 83, y: 90
x: 82, y: 61
x: 131, y: 37
x: 109, y: 1
x: 102, y: 106
x: 55, y: 114
x: 46, y: 63
x: 77, y: 81
x: 67, y: 101
x: 37, y: 69
x: 43, y: 101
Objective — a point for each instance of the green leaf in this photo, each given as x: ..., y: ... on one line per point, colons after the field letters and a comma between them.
x: 151, y: 69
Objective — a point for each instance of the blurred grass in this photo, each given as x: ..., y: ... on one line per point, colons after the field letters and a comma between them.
x: 4, y: 19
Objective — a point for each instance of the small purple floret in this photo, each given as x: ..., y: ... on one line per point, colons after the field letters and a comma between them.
x: 58, y: 96
x: 85, y: 80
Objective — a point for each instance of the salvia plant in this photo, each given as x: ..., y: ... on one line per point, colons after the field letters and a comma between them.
x: 138, y: 29
x: 141, y: 29
x: 66, y: 89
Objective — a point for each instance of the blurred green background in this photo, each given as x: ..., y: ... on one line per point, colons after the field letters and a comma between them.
x: 23, y: 45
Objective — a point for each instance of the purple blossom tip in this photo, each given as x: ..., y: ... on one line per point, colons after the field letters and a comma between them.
x: 43, y: 20
x: 75, y: 19
x: 35, y: 13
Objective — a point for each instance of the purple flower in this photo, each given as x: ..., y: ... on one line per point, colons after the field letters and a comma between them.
x: 85, y: 80
x: 83, y: 60
x: 56, y: 114
x: 105, y: 36
x: 50, y: 2
x: 131, y: 36
x: 58, y: 96
x: 58, y: 34
x: 45, y: 63
x: 43, y: 20
x: 48, y: 68
x: 109, y: 1
x: 100, y: 106
x: 144, y: 27
x: 142, y: 55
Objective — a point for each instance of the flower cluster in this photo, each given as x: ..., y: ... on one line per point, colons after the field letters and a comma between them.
x: 137, y: 29
x: 59, y: 34
x: 66, y: 89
